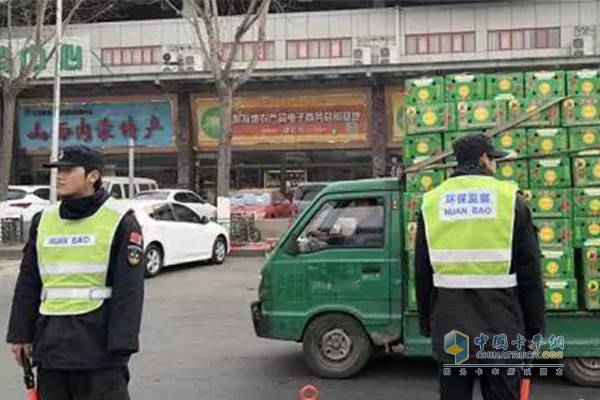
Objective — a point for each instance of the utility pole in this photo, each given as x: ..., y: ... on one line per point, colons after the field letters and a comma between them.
x: 56, y: 101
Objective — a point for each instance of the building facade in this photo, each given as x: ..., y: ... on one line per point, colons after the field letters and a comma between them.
x: 320, y: 105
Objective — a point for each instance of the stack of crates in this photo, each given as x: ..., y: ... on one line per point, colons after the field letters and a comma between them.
x: 581, y: 116
x: 560, y: 179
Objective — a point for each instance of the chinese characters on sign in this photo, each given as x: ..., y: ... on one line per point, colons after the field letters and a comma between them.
x: 98, y: 124
x: 468, y: 204
x: 337, y: 117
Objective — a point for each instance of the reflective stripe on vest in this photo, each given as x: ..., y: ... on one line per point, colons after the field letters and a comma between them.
x: 469, y: 226
x: 73, y: 259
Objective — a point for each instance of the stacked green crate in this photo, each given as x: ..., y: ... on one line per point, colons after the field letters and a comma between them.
x: 583, y: 83
x: 480, y: 114
x: 505, y: 86
x: 464, y: 87
x: 545, y: 84
x: 428, y: 90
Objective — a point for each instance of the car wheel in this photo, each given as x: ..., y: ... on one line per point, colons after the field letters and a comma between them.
x: 583, y: 371
x: 153, y: 260
x: 255, y: 235
x: 336, y: 346
x: 219, y: 251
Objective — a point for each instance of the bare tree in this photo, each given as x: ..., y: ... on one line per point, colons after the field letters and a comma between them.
x: 27, y: 32
x: 205, y: 17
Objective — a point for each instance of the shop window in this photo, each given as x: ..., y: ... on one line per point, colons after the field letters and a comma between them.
x: 460, y: 42
x: 524, y: 39
x: 126, y: 56
x: 322, y: 48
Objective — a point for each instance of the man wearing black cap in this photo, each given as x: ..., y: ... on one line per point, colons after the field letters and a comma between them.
x: 478, y: 278
x: 78, y: 299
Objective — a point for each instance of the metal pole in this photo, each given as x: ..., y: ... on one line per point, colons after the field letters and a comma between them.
x: 56, y: 101
x: 131, y: 167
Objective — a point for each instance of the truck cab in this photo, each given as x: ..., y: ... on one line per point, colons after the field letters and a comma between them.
x: 337, y: 281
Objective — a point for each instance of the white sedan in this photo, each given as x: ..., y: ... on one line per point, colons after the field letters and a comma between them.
x: 186, y: 197
x: 25, y: 201
x: 176, y: 234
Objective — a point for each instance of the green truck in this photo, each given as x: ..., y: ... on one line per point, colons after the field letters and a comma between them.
x: 346, y: 300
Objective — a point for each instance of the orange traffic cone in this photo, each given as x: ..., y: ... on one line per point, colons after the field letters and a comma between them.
x: 525, y: 389
x: 308, y: 392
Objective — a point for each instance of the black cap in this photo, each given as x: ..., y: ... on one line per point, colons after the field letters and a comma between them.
x: 469, y: 149
x: 78, y: 156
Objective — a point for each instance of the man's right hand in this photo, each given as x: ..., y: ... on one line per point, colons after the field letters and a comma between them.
x: 20, y: 351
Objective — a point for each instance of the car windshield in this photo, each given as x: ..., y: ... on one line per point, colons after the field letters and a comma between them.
x: 251, y: 199
x: 152, y: 196
x: 307, y: 192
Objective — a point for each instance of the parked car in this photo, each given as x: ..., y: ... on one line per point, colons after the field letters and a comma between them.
x: 263, y: 203
x: 176, y: 234
x: 25, y: 201
x: 305, y: 193
x: 186, y: 197
x: 118, y: 186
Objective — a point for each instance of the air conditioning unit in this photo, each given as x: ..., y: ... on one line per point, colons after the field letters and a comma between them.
x: 192, y: 62
x: 584, y: 41
x: 583, y: 46
x: 361, y: 56
x: 388, y: 55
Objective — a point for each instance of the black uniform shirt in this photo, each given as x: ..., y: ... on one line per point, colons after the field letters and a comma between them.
x: 103, y: 338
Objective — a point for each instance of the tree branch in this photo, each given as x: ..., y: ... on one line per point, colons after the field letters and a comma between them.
x: 241, y: 79
x: 238, y: 37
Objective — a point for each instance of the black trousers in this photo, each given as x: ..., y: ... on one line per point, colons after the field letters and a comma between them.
x: 493, y: 387
x: 98, y: 384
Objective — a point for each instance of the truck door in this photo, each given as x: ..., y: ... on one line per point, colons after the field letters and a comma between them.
x: 341, y: 260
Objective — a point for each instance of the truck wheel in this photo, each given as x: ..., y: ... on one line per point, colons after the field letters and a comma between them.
x: 583, y: 371
x: 336, y: 346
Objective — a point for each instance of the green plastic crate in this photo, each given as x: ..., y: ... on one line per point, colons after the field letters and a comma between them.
x: 581, y: 111
x: 429, y: 118
x: 554, y: 233
x: 550, y: 172
x: 550, y: 203
x: 505, y: 85
x: 587, y: 231
x: 545, y: 84
x: 546, y: 141
x: 586, y: 202
x: 411, y: 303
x: 514, y: 140
x: 547, y: 118
x: 422, y: 146
x: 591, y: 262
x: 591, y: 294
x: 515, y: 171
x: 583, y: 83
x: 480, y: 114
x: 558, y: 263
x: 410, y: 230
x: 423, y: 181
x: 560, y: 294
x: 412, y: 206
x: 424, y: 90
x: 464, y: 87
x: 586, y: 170
x: 585, y: 137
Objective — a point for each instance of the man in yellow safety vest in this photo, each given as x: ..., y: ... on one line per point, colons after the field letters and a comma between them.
x: 478, y: 278
x: 78, y: 299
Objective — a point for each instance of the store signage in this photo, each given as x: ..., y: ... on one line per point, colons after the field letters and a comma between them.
x: 75, y: 57
x: 101, y: 125
x: 336, y: 117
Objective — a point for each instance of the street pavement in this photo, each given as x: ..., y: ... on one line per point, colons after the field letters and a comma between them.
x: 198, y: 343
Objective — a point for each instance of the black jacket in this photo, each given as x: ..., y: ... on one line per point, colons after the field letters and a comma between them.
x: 511, y: 311
x: 103, y: 338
